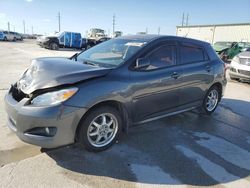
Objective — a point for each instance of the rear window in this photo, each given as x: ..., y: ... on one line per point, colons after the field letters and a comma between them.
x: 190, y: 54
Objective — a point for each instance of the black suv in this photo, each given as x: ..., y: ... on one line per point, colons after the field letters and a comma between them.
x: 92, y: 96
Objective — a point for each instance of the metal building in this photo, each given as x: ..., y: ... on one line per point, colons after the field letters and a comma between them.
x: 214, y: 33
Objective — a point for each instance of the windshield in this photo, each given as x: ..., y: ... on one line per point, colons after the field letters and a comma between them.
x: 111, y: 53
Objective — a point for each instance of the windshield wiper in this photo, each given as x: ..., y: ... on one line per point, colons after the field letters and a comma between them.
x: 90, y: 63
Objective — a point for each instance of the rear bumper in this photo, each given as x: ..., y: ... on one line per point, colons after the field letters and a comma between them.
x: 239, y: 71
x: 23, y: 118
x: 239, y: 76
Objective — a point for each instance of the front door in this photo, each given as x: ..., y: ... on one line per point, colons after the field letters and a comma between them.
x: 76, y: 40
x: 67, y: 40
x: 156, y: 87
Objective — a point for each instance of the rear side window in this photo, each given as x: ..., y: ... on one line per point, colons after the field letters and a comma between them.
x: 164, y: 56
x: 191, y: 54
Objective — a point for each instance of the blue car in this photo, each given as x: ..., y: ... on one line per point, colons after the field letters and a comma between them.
x: 63, y: 40
x: 1, y: 35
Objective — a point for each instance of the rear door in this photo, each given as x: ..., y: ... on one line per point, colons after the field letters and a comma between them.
x: 76, y: 40
x: 196, y: 74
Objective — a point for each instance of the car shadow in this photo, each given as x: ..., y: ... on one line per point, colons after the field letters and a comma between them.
x: 172, y: 151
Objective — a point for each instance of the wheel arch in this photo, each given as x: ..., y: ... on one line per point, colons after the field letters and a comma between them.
x: 219, y: 85
x: 119, y: 106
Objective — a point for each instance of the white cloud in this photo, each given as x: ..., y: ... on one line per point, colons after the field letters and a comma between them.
x: 29, y: 0
x: 3, y: 17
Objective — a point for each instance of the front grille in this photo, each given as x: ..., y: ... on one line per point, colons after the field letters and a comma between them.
x: 245, y: 61
x: 17, y: 94
x: 247, y: 73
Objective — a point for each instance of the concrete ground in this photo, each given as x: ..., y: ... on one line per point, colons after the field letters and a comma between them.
x: 186, y: 150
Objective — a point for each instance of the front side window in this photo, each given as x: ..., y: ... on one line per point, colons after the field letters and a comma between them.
x: 190, y: 54
x: 164, y: 56
x: 112, y: 53
x: 62, y: 39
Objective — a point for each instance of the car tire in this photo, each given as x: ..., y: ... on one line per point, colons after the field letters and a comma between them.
x: 53, y: 46
x: 14, y: 39
x: 100, y: 129
x: 5, y: 39
x: 88, y: 47
x: 211, y: 100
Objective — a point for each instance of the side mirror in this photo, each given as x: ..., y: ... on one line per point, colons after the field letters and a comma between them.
x: 142, y: 63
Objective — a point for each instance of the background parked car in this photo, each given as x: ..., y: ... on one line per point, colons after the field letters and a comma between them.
x: 17, y: 36
x: 8, y: 36
x: 1, y: 35
x: 63, y: 40
x: 93, y: 42
x: 228, y: 50
x: 240, y: 66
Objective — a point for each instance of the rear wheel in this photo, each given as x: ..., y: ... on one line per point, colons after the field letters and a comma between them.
x: 100, y: 129
x: 53, y: 46
x: 211, y: 100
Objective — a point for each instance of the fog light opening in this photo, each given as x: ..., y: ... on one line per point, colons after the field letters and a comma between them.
x: 42, y: 131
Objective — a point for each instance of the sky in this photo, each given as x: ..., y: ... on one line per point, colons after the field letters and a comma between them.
x: 132, y: 16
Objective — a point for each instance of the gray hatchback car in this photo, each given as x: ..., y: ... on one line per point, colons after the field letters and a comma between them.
x: 93, y: 96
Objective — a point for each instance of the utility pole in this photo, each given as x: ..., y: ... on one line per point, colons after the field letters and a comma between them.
x: 146, y: 30
x: 187, y: 19
x: 159, y: 30
x: 183, y: 16
x: 9, y: 26
x: 32, y: 30
x: 113, y: 25
x: 23, y: 27
x: 59, y: 21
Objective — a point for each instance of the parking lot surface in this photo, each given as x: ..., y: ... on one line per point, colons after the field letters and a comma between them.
x: 185, y: 150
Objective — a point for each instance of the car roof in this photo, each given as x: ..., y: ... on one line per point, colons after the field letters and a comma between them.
x: 149, y: 38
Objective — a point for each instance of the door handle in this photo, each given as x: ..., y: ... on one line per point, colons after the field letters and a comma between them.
x: 175, y: 75
x: 208, y: 68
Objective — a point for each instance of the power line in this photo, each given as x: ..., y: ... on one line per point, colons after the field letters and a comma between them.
x: 183, y: 19
x: 187, y: 19
x: 8, y: 26
x: 182, y: 22
x: 23, y: 27
x: 114, y: 25
x: 59, y: 21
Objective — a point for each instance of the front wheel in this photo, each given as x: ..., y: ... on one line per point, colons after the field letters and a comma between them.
x: 54, y: 46
x: 100, y: 129
x: 211, y: 100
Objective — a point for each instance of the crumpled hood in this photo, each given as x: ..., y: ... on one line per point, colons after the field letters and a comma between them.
x: 50, y: 72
